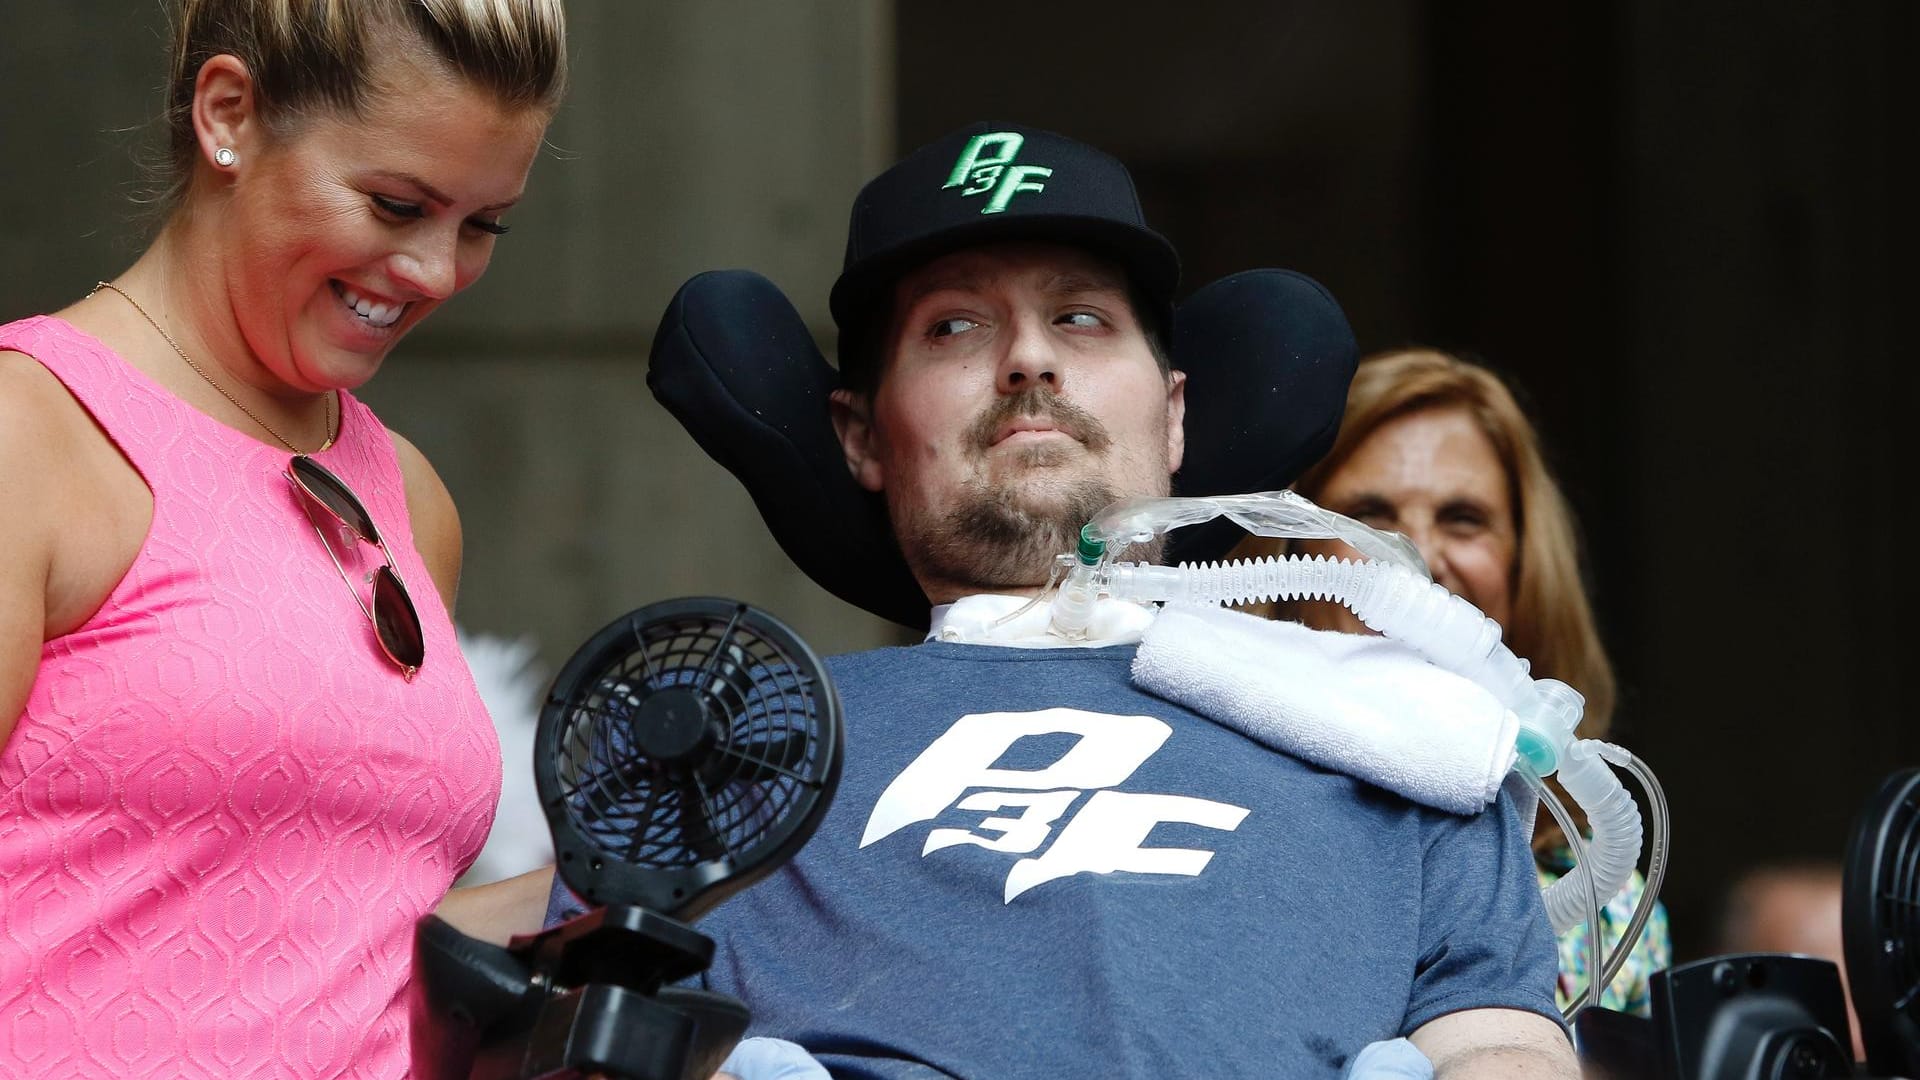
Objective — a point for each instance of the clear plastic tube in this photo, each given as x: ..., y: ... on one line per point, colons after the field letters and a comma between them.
x: 1657, y: 857
x: 1073, y: 607
x: 1661, y: 837
x: 1614, y: 848
x: 1270, y: 513
x: 1590, y: 994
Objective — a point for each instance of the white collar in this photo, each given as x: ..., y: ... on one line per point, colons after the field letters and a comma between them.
x: 971, y: 620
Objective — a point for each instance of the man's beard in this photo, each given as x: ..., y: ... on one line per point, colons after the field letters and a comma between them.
x: 1005, y: 535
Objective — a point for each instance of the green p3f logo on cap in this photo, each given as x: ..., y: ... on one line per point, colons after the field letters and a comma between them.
x: 986, y: 165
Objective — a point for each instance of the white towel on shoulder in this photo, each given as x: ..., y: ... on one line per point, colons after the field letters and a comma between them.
x: 1361, y: 705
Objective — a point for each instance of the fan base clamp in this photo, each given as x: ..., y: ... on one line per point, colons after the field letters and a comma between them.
x: 620, y: 944
x: 617, y: 1032
x: 584, y: 998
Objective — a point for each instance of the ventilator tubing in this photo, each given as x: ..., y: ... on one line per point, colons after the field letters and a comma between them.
x: 1455, y: 635
x: 1392, y: 593
x: 1615, y: 847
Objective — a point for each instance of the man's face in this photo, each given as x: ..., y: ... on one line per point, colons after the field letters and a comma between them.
x: 1019, y: 397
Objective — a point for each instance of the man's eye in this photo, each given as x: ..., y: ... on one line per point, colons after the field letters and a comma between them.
x: 950, y: 327
x: 1080, y: 318
x: 396, y: 208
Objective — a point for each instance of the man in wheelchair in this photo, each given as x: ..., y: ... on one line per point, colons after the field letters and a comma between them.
x: 1033, y: 867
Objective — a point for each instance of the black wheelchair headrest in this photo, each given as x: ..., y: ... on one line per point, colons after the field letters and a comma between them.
x: 1268, y: 356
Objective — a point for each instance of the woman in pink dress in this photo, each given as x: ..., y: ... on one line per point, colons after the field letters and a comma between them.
x: 240, y: 753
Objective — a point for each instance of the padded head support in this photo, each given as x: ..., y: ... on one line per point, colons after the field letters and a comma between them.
x: 734, y: 363
x: 1268, y: 356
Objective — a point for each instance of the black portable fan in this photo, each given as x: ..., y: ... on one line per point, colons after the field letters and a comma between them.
x: 682, y: 755
x: 1881, y: 925
x: 684, y: 752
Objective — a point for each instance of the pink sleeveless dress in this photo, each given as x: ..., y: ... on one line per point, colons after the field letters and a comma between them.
x: 224, y: 808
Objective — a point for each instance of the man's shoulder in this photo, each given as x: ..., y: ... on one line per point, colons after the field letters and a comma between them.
x: 854, y: 660
x: 937, y: 654
x: 855, y: 667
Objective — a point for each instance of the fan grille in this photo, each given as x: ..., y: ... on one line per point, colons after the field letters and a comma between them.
x: 760, y: 763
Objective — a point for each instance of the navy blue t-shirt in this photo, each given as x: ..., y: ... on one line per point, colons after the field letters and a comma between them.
x: 1033, y: 868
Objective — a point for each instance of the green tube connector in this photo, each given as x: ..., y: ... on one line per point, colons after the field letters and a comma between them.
x: 1091, y: 551
x: 1547, y: 724
x: 1538, y: 752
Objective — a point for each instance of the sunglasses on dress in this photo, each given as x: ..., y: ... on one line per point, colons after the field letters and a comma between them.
x: 395, y: 623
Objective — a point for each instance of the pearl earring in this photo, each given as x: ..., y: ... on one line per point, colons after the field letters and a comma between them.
x: 225, y: 157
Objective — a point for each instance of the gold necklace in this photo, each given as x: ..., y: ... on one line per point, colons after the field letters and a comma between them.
x: 332, y: 431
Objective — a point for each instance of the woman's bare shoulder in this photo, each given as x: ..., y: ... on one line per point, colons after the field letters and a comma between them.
x: 33, y: 442
x: 38, y: 417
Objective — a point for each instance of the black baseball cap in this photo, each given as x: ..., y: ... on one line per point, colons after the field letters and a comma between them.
x: 992, y: 182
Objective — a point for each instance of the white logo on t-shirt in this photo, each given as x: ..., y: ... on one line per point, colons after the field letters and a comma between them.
x: 1105, y: 835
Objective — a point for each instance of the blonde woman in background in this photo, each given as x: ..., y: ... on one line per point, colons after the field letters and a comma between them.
x: 240, y: 753
x: 1437, y: 448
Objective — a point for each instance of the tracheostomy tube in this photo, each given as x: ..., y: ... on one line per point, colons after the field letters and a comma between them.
x: 1390, y: 591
